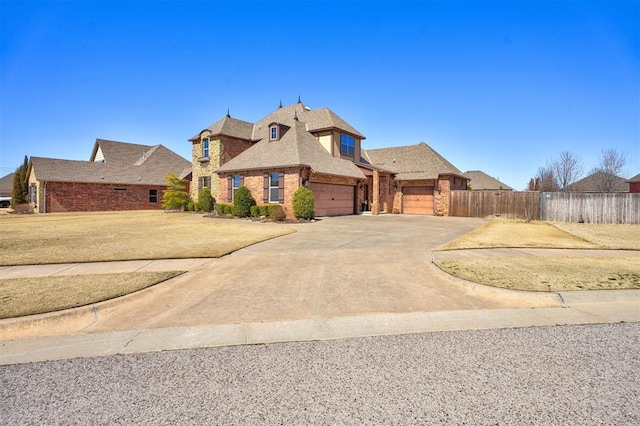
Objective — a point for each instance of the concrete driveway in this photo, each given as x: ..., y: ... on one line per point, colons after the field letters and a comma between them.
x: 336, y: 267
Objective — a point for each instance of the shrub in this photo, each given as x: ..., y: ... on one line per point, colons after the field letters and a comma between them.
x: 206, y: 200
x: 303, y: 203
x: 242, y: 202
x: 223, y: 209
x: 276, y: 212
x: 255, y: 211
x: 23, y: 209
x: 264, y: 210
x: 191, y: 206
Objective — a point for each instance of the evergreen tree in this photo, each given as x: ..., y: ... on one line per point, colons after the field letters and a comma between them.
x: 175, y: 197
x: 20, y: 193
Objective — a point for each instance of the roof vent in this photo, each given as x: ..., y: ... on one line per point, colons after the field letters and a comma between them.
x: 280, y: 104
x: 228, y: 115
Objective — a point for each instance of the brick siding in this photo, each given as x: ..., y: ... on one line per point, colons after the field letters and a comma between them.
x: 83, y: 197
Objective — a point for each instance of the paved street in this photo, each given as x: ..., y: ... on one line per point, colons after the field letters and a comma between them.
x: 584, y: 374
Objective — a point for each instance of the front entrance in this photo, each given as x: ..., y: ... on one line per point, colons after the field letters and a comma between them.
x: 332, y: 199
x: 417, y: 200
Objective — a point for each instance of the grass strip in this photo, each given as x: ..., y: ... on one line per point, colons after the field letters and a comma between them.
x: 543, y: 273
x: 29, y: 296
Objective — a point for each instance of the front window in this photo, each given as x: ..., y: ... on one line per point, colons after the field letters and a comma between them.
x: 236, y: 184
x: 204, y: 182
x: 347, y: 144
x: 205, y: 147
x: 274, y: 185
x: 153, y: 195
x: 274, y: 133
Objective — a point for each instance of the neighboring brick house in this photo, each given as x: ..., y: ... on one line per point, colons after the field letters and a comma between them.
x: 118, y: 176
x: 480, y: 181
x: 296, y: 146
x: 634, y: 184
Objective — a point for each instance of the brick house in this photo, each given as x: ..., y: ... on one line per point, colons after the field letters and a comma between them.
x: 118, y: 176
x: 296, y: 146
x: 634, y: 184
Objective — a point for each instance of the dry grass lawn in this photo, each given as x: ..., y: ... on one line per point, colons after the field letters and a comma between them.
x: 545, y: 273
x: 29, y: 296
x: 515, y: 233
x: 108, y: 236
x: 549, y: 273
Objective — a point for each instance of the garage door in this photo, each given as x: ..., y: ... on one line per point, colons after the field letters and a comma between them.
x: 417, y: 200
x: 333, y: 200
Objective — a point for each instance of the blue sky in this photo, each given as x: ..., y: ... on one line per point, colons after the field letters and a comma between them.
x: 495, y: 86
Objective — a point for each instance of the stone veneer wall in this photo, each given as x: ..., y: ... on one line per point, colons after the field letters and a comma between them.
x: 221, y: 150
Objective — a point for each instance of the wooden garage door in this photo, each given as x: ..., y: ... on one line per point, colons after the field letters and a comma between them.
x: 417, y: 200
x: 333, y: 200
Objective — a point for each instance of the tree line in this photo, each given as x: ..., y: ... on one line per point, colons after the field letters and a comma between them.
x: 559, y: 173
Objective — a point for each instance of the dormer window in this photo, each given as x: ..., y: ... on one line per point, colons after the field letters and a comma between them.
x: 273, y: 133
x: 205, y: 147
x: 347, y: 144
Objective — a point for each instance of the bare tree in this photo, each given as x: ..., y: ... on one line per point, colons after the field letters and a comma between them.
x: 547, y: 179
x: 609, y: 170
x: 567, y: 169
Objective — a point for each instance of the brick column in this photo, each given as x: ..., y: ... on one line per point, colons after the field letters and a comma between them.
x: 375, y: 202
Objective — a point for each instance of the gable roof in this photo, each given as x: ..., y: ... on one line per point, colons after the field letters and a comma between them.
x: 411, y: 162
x: 634, y: 179
x: 315, y: 120
x: 6, y: 184
x: 123, y: 163
x: 595, y: 181
x: 479, y: 180
x: 296, y: 147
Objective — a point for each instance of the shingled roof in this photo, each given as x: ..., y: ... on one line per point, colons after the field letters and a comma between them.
x: 114, y: 163
x: 6, y: 184
x: 229, y: 126
x: 411, y: 162
x: 315, y: 120
x: 479, y: 180
x: 600, y: 182
x: 634, y: 179
x: 296, y: 147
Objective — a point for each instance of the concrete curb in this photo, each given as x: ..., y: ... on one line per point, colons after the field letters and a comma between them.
x: 152, y: 340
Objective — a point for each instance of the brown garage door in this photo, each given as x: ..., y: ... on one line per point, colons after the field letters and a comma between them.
x: 417, y: 200
x: 333, y: 200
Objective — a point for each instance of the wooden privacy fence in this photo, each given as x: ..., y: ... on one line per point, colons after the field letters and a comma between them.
x: 508, y: 204
x: 616, y: 207
x: 621, y: 207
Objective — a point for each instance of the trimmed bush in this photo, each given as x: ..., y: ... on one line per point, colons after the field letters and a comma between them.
x: 206, y: 200
x: 223, y: 209
x: 303, y: 203
x: 255, y: 211
x: 264, y: 210
x: 276, y: 212
x: 242, y: 202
